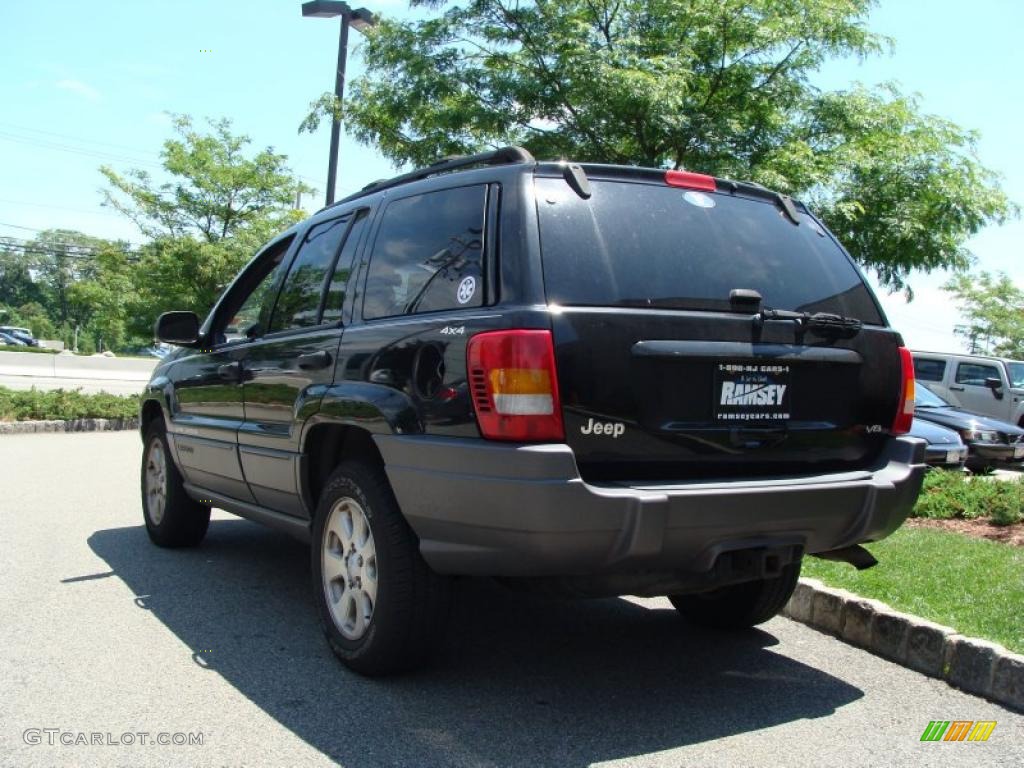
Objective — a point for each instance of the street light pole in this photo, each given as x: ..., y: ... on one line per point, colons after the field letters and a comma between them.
x: 361, y: 19
x: 339, y: 92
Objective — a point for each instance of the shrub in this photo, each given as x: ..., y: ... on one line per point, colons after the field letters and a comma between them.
x: 32, y: 404
x: 15, y: 348
x: 949, y: 495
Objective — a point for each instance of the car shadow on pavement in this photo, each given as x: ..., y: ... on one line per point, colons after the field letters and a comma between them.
x: 523, y: 680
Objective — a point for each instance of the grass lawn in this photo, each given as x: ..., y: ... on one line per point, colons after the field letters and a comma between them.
x: 974, y: 586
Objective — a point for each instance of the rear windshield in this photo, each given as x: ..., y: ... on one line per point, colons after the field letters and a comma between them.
x: 647, y: 245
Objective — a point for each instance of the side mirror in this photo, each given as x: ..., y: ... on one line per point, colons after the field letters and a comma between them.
x: 996, y: 386
x: 180, y: 328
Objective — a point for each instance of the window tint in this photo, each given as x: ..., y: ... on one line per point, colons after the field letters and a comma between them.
x: 975, y: 373
x: 428, y: 254
x: 245, y: 313
x: 342, y: 272
x: 929, y: 370
x: 649, y: 245
x: 1016, y: 371
x: 298, y: 304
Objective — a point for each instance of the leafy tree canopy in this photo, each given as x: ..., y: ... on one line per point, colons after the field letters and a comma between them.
x: 219, y: 204
x: 214, y: 191
x: 994, y: 308
x: 718, y: 86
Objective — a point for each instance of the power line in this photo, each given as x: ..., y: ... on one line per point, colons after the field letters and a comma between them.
x: 18, y: 226
x: 124, y: 147
x: 78, y: 255
x: 62, y: 208
x: 95, y: 154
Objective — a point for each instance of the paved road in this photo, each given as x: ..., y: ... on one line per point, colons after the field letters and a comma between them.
x: 102, y: 632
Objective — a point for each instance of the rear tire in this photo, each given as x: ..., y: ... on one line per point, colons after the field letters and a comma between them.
x: 740, y: 606
x: 173, y: 518
x: 381, y: 608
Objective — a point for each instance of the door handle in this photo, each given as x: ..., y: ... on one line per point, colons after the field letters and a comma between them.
x: 230, y: 371
x: 313, y: 360
x: 957, y: 389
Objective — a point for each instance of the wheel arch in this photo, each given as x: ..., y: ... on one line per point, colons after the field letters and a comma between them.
x: 326, y: 444
x: 150, y: 411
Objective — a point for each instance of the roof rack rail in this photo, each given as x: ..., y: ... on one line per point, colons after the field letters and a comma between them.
x: 503, y: 156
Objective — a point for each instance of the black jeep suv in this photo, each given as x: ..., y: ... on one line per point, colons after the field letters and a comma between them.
x: 595, y: 380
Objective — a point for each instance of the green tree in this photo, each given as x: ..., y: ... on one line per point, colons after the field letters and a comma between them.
x: 217, y: 206
x: 718, y: 86
x: 16, y: 284
x: 993, y: 306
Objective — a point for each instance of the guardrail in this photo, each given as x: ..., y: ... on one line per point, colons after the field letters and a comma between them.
x: 75, y: 366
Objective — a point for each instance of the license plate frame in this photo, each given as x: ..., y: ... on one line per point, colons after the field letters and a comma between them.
x: 749, y: 393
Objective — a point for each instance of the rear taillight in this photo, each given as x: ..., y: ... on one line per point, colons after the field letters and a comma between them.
x: 905, y: 414
x: 514, y: 385
x: 690, y: 180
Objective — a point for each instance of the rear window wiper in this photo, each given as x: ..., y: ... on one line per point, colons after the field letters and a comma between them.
x: 821, y: 323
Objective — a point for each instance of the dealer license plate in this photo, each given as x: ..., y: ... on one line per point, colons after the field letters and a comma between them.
x: 751, y: 392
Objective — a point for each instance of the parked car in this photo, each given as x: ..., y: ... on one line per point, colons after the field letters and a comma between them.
x: 22, y: 334
x: 945, y: 448
x: 11, y: 340
x: 590, y: 379
x: 990, y: 442
x: 992, y: 386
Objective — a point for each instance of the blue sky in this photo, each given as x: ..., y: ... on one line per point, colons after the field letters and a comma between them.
x: 84, y: 84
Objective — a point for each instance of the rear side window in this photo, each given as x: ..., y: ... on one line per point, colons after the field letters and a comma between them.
x: 975, y: 374
x: 646, y: 245
x: 298, y: 304
x: 428, y: 254
x: 929, y: 370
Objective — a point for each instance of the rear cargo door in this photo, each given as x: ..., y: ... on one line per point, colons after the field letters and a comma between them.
x: 662, y: 376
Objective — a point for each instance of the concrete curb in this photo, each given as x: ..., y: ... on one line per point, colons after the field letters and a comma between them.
x: 973, y: 665
x: 68, y: 425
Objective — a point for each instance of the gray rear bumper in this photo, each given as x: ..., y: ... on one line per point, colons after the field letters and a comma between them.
x: 481, y: 507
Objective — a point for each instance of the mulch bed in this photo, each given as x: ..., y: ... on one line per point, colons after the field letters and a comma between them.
x: 981, y: 529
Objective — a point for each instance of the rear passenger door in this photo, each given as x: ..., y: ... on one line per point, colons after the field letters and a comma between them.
x: 969, y: 387
x: 288, y: 369
x: 426, y: 270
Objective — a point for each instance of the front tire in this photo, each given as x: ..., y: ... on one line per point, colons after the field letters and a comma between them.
x: 380, y: 606
x: 173, y: 518
x: 740, y: 606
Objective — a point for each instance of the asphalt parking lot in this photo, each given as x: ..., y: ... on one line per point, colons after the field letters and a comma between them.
x: 104, y: 633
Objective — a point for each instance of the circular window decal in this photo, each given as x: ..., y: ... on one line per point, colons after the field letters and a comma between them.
x: 699, y: 199
x: 467, y: 289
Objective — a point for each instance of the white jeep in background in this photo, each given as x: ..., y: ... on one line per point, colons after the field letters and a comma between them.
x: 992, y: 386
